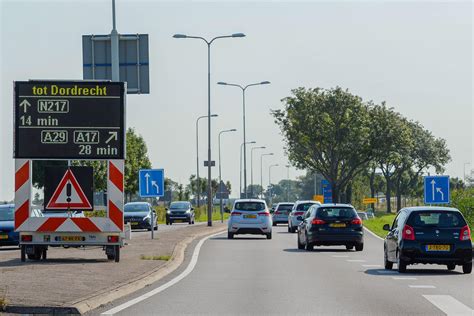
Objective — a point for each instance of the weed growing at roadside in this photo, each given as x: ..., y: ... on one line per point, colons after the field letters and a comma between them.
x: 163, y: 258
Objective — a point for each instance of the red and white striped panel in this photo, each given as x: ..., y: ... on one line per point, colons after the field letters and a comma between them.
x: 112, y: 223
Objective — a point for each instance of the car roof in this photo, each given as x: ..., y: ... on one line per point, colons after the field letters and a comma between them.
x: 289, y: 203
x: 429, y: 208
x: 136, y: 203
x: 180, y: 202
x: 336, y: 205
x: 307, y: 201
x: 250, y: 200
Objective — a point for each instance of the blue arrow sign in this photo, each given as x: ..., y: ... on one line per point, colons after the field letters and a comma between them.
x: 437, y: 190
x: 151, y: 182
x: 327, y: 191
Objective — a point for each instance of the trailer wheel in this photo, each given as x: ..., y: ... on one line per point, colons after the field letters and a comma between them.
x: 117, y: 253
x: 23, y: 253
x: 44, y: 253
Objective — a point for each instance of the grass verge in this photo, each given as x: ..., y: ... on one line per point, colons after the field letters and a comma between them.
x: 375, y: 224
x: 164, y: 258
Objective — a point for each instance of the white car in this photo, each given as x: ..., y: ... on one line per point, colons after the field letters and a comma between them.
x: 297, y: 213
x: 250, y: 216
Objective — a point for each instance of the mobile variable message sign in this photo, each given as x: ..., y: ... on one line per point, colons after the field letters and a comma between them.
x: 69, y: 120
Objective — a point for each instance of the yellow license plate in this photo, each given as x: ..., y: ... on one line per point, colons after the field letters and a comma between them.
x: 134, y: 223
x: 3, y: 236
x: 250, y: 216
x: 438, y: 247
x: 337, y: 225
x: 71, y: 238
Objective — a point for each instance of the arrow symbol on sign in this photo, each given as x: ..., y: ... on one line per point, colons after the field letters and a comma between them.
x: 441, y: 192
x: 433, y: 182
x: 113, y: 136
x: 25, y: 104
x: 153, y: 183
x: 147, y: 176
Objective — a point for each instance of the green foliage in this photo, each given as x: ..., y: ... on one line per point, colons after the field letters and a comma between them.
x: 137, y: 158
x: 375, y: 225
x: 463, y: 200
x: 100, y: 173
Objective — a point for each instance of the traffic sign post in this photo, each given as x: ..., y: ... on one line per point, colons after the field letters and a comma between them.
x: 436, y: 190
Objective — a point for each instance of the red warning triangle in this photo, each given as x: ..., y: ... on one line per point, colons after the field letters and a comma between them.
x: 76, y: 198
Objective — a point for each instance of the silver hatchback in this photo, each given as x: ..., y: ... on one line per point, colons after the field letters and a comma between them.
x: 280, y: 214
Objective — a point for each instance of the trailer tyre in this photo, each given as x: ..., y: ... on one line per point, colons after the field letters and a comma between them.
x: 44, y: 253
x: 117, y: 253
x: 23, y: 253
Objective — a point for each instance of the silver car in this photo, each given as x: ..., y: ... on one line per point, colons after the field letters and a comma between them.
x: 296, y: 215
x: 281, y: 211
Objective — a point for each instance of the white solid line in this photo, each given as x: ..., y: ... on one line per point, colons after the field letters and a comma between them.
x: 340, y: 256
x: 404, y: 278
x: 449, y: 305
x: 422, y: 286
x: 373, y: 234
x: 371, y: 265
x: 355, y: 260
x: 168, y: 284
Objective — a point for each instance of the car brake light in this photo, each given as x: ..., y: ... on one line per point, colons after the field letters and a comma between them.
x: 356, y: 221
x: 299, y: 213
x: 113, y: 238
x: 264, y: 214
x: 26, y: 238
x: 318, y: 221
x: 408, y: 233
x: 465, y: 233
x: 235, y: 214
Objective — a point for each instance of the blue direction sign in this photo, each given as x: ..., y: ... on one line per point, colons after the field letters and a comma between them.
x: 437, y: 190
x: 327, y: 191
x: 151, y: 182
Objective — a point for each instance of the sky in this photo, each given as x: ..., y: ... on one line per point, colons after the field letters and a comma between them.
x: 416, y: 56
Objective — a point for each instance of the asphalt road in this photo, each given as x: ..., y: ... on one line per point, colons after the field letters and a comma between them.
x: 255, y: 276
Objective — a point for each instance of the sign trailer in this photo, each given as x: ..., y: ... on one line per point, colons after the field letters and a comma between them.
x: 69, y: 120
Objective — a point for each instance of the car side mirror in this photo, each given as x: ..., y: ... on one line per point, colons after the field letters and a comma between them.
x: 166, y: 208
x: 226, y: 210
x: 192, y: 208
x: 386, y: 227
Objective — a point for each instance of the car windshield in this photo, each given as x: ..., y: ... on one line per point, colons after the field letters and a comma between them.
x: 7, y: 213
x: 436, y: 219
x: 179, y: 205
x: 136, y: 208
x: 335, y: 212
x: 249, y: 206
x: 285, y: 207
x: 304, y: 206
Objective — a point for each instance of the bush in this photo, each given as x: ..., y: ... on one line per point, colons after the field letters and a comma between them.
x: 463, y: 200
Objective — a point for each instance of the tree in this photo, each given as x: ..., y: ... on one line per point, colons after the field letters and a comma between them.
x: 328, y: 131
x: 137, y: 158
x: 100, y: 172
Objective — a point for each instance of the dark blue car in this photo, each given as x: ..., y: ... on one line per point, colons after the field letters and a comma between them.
x: 8, y: 237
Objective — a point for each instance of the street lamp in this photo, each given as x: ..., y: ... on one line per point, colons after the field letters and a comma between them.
x: 287, y: 182
x: 261, y: 171
x: 198, y: 180
x: 209, y: 165
x: 244, y: 88
x: 220, y: 174
x: 241, y: 146
x: 270, y: 182
x: 251, y: 168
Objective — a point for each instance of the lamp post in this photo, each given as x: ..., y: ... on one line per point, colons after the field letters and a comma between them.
x: 270, y: 182
x: 261, y: 171
x: 287, y: 182
x: 220, y: 173
x: 241, y: 146
x: 198, y: 180
x: 251, y: 168
x: 244, y: 88
x: 209, y: 165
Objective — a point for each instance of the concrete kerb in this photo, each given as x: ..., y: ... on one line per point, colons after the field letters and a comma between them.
x: 112, y: 294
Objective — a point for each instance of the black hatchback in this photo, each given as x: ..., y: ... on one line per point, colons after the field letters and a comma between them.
x: 331, y: 224
x: 428, y: 235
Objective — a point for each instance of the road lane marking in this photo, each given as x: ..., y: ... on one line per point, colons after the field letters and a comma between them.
x: 372, y: 265
x: 340, y: 256
x: 373, y: 234
x: 422, y: 286
x: 387, y: 272
x: 355, y: 260
x: 168, y: 284
x: 404, y: 278
x: 449, y: 305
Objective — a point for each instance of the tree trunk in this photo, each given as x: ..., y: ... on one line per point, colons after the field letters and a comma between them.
x: 399, y: 198
x: 388, y: 194
x: 349, y: 193
x: 335, y: 193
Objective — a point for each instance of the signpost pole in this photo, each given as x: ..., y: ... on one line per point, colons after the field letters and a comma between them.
x: 114, y: 40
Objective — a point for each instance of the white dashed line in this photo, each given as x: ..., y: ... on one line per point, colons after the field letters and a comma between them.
x: 449, y: 305
x: 422, y: 286
x: 404, y: 278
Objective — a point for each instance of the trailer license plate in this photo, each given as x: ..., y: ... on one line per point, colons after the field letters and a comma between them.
x: 438, y: 247
x: 71, y: 238
x: 3, y: 236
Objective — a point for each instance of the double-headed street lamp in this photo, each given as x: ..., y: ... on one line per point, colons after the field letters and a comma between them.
x: 244, y: 88
x: 270, y: 181
x: 209, y: 165
x: 261, y: 171
x: 251, y: 168
x: 220, y: 173
x: 198, y: 180
x: 240, y: 172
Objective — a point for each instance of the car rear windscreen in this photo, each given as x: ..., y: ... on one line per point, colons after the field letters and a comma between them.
x: 436, y: 219
x: 335, y: 212
x: 304, y: 206
x: 285, y: 207
x: 249, y: 206
x: 135, y: 208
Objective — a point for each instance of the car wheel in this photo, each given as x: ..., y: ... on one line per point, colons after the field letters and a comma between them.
x: 230, y: 235
x: 156, y: 227
x: 359, y: 247
x: 387, y: 264
x: 402, y: 266
x: 292, y: 230
x: 308, y: 246
x: 269, y: 236
x: 289, y: 229
x: 467, y: 268
x: 300, y: 245
x: 190, y: 222
x: 451, y: 266
x: 349, y: 247
x: 171, y: 223
x: 274, y: 224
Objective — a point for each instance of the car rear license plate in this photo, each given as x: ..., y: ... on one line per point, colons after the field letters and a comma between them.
x: 178, y: 220
x: 134, y: 223
x: 337, y: 225
x: 250, y: 216
x: 3, y: 236
x: 71, y: 238
x: 438, y: 247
